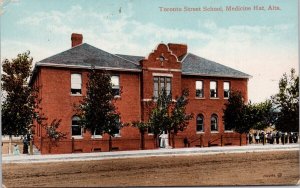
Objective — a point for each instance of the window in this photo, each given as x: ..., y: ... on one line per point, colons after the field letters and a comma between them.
x: 199, y: 123
x: 150, y: 131
x: 213, y: 89
x: 116, y: 131
x: 76, y: 129
x: 115, y: 85
x: 214, y: 123
x: 97, y: 133
x: 199, y: 89
x: 161, y: 83
x: 226, y: 89
x: 76, y: 83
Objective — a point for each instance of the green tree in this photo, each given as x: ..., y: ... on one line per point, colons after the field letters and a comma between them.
x: 20, y: 102
x: 97, y: 110
x: 235, y: 112
x: 242, y: 117
x: 286, y: 103
x: 160, y: 116
x: 179, y: 118
x: 53, y: 134
x: 262, y: 115
x: 143, y: 127
x: 168, y: 115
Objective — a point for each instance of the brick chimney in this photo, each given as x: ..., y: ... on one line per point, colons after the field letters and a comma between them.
x: 178, y: 49
x: 76, y: 39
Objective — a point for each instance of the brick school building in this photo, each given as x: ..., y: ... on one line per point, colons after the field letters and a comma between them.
x: 63, y: 79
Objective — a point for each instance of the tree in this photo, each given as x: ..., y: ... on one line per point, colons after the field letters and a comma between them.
x: 143, y: 127
x: 286, y: 103
x: 168, y: 115
x: 234, y: 113
x: 97, y: 110
x: 179, y: 118
x: 237, y: 115
x: 20, y: 103
x: 262, y: 115
x: 53, y: 134
x: 242, y: 117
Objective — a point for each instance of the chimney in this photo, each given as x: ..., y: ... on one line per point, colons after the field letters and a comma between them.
x: 178, y: 49
x: 76, y: 39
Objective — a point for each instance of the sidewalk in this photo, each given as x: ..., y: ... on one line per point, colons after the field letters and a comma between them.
x: 145, y: 153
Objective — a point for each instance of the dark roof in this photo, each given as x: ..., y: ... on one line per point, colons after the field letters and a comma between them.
x: 85, y: 55
x: 195, y: 65
x: 132, y: 58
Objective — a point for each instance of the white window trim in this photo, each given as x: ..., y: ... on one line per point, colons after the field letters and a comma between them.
x: 78, y: 95
x: 214, y: 132
x: 162, y: 75
x: 200, y: 132
x: 228, y: 131
x: 78, y: 137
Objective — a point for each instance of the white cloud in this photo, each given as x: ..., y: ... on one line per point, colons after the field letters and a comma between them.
x: 251, y: 49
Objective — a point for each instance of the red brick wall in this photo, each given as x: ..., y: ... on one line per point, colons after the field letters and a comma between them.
x: 57, y: 103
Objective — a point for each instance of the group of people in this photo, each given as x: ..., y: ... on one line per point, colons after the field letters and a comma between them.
x: 272, y: 137
x: 26, y: 141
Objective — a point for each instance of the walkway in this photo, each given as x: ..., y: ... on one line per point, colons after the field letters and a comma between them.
x: 145, y: 153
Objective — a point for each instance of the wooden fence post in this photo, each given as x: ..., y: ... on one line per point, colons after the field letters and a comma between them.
x: 72, y: 145
x: 221, y: 140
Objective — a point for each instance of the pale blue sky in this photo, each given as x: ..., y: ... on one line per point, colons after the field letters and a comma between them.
x: 263, y: 44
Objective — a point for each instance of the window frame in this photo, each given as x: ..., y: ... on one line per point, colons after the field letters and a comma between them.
x: 76, y: 93
x: 227, y: 90
x: 167, y: 80
x: 202, y: 130
x: 116, y: 87
x: 72, y: 125
x: 216, y: 90
x: 94, y: 135
x: 201, y: 90
x: 217, y: 123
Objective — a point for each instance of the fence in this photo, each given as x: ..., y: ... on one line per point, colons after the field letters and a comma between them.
x: 121, y: 143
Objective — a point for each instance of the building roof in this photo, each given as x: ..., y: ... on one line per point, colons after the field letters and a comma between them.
x: 132, y: 58
x: 195, y: 65
x: 84, y: 55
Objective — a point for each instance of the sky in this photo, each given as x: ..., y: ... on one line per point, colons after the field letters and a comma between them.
x: 261, y: 43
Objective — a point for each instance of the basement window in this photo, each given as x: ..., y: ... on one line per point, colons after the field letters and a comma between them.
x: 76, y: 84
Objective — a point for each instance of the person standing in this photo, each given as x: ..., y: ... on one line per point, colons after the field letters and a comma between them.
x: 277, y: 137
x: 16, y: 150
x: 25, y: 146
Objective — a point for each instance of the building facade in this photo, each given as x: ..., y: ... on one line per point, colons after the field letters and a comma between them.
x: 62, y: 80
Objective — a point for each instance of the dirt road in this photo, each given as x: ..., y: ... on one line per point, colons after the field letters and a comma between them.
x: 265, y: 168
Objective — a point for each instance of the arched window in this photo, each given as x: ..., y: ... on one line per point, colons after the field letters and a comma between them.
x: 76, y: 129
x: 214, y: 122
x: 200, y: 123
